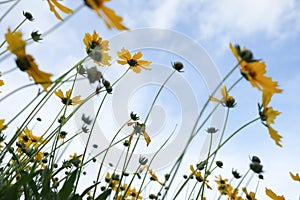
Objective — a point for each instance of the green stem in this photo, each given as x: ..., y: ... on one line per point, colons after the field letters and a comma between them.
x: 160, y: 89
x: 9, y: 9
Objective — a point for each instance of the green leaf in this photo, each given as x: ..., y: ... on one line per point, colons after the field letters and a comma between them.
x: 46, y: 183
x: 68, y: 186
x: 104, y: 195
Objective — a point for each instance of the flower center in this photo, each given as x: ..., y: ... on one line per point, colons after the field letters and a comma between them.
x: 23, y: 63
x: 132, y: 62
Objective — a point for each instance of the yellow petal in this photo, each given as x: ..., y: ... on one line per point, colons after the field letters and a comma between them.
x: 144, y: 62
x: 271, y: 115
x: 295, y: 177
x: 273, y: 196
x: 122, y: 62
x: 113, y: 20
x: 147, y: 138
x: 136, y: 69
x: 68, y: 94
x: 137, y: 55
x: 266, y: 98
x: 124, y: 54
x: 224, y: 92
x: 211, y: 98
x: 234, y: 51
x: 38, y: 76
x: 275, y: 136
x: 60, y: 94
x: 52, y: 9
x: 15, y: 43
x: 62, y: 7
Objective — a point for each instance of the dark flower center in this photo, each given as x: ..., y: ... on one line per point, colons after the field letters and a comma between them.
x: 23, y: 63
x: 132, y: 62
x: 66, y: 101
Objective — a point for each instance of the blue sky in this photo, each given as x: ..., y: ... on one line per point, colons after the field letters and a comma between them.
x: 269, y: 28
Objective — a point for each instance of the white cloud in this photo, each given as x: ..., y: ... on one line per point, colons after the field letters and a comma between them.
x: 232, y: 17
x: 210, y: 19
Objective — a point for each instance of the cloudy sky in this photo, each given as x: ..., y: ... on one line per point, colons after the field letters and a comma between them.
x: 269, y: 28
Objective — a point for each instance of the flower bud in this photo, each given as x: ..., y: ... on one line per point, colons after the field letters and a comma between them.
x: 178, y: 66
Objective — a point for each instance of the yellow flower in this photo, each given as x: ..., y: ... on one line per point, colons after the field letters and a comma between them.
x: 135, y: 194
x: 197, y: 174
x: 24, y: 61
x: 1, y: 81
x: 274, y: 196
x: 154, y: 177
x: 97, y: 48
x: 64, y: 9
x: 139, y: 128
x: 223, y: 187
x: 254, y: 71
x: 226, y: 101
x: 66, y: 99
x: 295, y: 177
x: 250, y: 195
x: 111, y: 19
x: 27, y: 138
x: 268, y: 115
x: 133, y: 61
x: 2, y: 125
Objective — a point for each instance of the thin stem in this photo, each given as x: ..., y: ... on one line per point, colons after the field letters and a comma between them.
x: 9, y: 9
x: 160, y: 89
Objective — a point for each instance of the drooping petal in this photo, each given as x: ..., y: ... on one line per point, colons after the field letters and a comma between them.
x: 273, y: 196
x: 271, y: 115
x: 266, y: 98
x: 147, y: 137
x: 59, y: 93
x: 295, y: 177
x: 15, y: 43
x: 113, y: 20
x: 52, y: 9
x: 275, y: 136
x: 40, y: 77
x: 61, y: 7
x: 64, y: 9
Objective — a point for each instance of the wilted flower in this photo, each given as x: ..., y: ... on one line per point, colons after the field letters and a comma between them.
x: 255, y: 165
x: 236, y: 174
x: 36, y: 36
x: 87, y: 120
x: 25, y: 62
x: 134, y: 116
x: 84, y: 128
x: 268, y: 115
x: 154, y: 177
x: 249, y: 195
x: 226, y: 101
x: 143, y: 160
x: 28, y: 16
